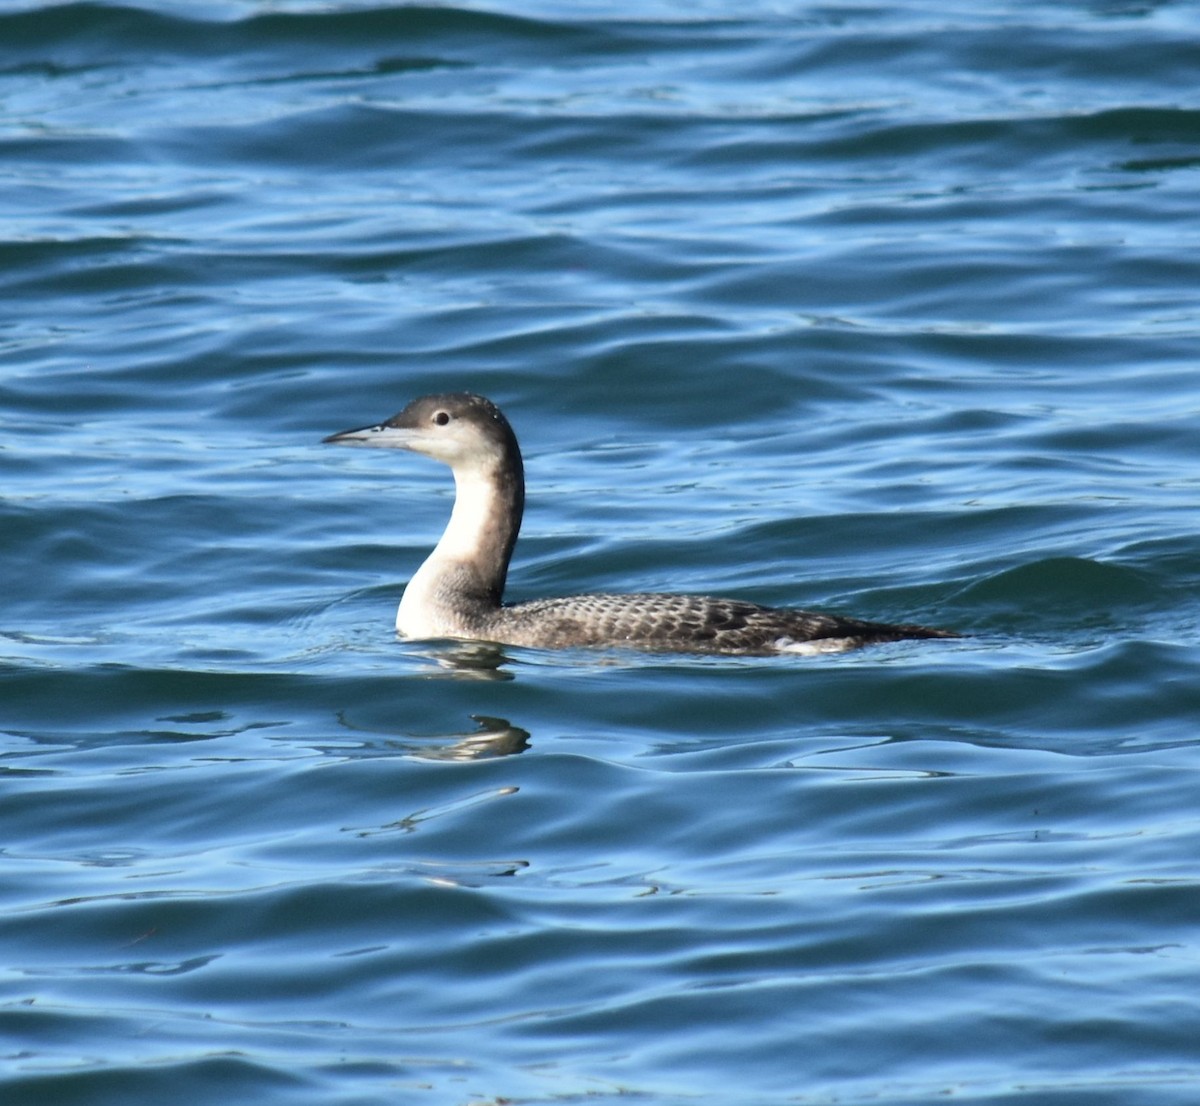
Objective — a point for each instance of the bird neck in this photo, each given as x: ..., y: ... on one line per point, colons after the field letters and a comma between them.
x: 483, y: 526
x: 466, y: 572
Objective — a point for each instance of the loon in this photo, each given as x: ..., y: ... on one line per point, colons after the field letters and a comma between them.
x: 458, y: 592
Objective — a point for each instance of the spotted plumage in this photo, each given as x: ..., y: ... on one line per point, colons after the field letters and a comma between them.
x: 458, y: 591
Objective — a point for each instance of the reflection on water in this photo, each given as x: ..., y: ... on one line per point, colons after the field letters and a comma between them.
x: 466, y: 660
x: 496, y: 737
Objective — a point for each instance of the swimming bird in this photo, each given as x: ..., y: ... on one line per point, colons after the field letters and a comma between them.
x: 459, y: 591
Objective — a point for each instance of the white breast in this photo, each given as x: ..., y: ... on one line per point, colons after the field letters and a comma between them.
x: 427, y: 608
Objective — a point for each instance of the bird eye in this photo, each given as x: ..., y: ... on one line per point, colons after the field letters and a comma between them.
x: 441, y: 418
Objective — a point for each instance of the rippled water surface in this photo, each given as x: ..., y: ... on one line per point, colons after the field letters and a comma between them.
x: 888, y: 309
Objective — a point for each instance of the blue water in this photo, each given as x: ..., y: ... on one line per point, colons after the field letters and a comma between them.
x: 888, y: 309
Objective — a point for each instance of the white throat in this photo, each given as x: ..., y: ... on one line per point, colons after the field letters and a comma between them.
x: 427, y: 606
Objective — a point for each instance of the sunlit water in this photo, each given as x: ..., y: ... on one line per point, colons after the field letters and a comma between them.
x: 887, y: 310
